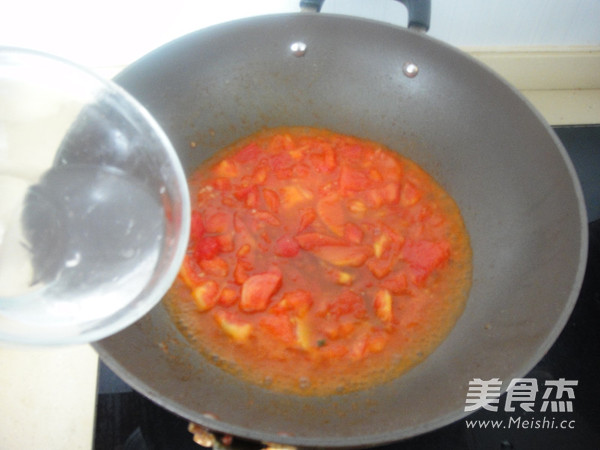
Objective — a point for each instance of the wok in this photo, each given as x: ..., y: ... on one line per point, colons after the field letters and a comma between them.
x: 508, y: 172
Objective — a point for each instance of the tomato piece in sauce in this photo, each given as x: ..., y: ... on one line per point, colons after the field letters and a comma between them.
x: 321, y: 257
x: 257, y: 290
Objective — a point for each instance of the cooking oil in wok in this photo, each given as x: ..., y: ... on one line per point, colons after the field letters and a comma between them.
x: 81, y: 243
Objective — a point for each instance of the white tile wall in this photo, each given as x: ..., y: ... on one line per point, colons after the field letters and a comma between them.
x: 116, y: 32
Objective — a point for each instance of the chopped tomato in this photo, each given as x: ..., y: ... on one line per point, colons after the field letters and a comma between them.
x: 259, y: 176
x: 206, y: 295
x: 358, y: 347
x: 240, y: 272
x: 257, y: 291
x: 347, y: 303
x: 353, y: 233
x: 280, y: 327
x: 228, y: 296
x: 306, y: 219
x: 331, y: 212
x: 352, y: 152
x: 217, y: 222
x: 426, y: 255
x: 377, y: 341
x: 293, y: 195
x: 271, y: 199
x: 375, y: 175
x: 374, y: 198
x: 248, y: 154
x: 233, y: 326
x: 410, y: 194
x: 388, y: 164
x: 282, y: 165
x: 217, y: 267
x: 380, y: 268
x: 383, y: 305
x: 286, y: 246
x: 226, y: 168
x: 226, y: 242
x: 325, y: 161
x: 190, y: 272
x: 221, y: 184
x: 382, y: 243
x: 207, y: 247
x: 268, y: 218
x: 281, y: 142
x: 248, y: 195
x: 196, y: 226
x: 352, y: 179
x: 303, y: 333
x: 339, y: 330
x: 341, y: 277
x: 396, y: 283
x: 298, y: 301
x: 243, y: 250
x: 239, y: 225
x: 353, y: 256
x: 357, y: 207
x: 390, y: 192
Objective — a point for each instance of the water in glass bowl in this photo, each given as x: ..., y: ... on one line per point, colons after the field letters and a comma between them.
x: 78, y: 244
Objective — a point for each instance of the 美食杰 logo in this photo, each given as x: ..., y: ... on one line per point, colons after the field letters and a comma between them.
x: 523, y: 393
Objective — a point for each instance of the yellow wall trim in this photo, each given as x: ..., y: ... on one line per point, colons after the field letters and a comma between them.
x: 563, y: 83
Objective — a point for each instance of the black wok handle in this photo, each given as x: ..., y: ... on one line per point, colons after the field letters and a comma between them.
x: 419, y: 11
x: 311, y: 5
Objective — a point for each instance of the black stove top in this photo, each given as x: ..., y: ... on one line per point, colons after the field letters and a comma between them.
x: 125, y: 420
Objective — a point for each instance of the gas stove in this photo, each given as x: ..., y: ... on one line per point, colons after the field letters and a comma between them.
x: 126, y: 420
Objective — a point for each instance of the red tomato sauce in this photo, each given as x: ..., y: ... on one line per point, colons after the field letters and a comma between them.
x: 319, y: 263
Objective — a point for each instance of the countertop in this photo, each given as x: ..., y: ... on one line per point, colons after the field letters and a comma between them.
x: 47, y: 398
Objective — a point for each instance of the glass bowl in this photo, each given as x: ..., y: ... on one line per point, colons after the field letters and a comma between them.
x: 94, y: 204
